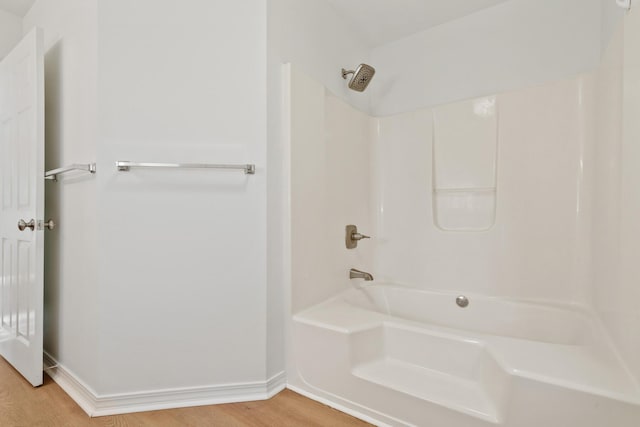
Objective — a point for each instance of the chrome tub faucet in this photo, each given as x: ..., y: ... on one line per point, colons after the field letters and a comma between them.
x: 357, y: 274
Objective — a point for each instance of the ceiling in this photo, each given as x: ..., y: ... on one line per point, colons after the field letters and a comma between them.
x: 379, y: 21
x: 17, y: 7
x: 383, y: 21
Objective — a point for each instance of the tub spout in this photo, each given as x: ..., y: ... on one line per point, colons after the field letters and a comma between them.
x: 357, y: 274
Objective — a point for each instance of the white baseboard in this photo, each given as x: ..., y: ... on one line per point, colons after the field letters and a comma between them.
x: 99, y: 405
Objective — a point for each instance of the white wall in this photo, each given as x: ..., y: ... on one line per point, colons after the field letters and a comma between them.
x: 71, y: 277
x: 515, y: 44
x: 512, y: 45
x: 314, y: 37
x: 10, y: 32
x: 182, y: 267
x: 156, y: 280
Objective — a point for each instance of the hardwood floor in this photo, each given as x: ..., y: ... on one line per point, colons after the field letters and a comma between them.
x: 49, y: 406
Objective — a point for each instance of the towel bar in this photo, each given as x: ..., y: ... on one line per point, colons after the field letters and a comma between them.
x: 124, y: 166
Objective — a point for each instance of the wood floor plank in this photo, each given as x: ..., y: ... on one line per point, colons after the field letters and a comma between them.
x: 21, y: 405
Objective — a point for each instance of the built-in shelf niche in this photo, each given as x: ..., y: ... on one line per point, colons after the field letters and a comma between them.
x: 465, y: 143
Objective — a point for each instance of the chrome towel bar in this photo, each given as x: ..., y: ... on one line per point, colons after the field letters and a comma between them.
x: 86, y: 167
x: 124, y: 166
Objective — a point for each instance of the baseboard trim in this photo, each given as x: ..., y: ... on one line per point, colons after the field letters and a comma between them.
x: 100, y: 405
x: 71, y: 384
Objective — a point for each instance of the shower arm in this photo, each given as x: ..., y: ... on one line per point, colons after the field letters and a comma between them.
x: 345, y: 73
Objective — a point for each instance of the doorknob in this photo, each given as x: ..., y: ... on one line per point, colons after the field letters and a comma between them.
x: 22, y: 225
x: 49, y: 225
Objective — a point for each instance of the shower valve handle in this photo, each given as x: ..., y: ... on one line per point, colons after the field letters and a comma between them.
x: 358, y: 236
x: 352, y: 237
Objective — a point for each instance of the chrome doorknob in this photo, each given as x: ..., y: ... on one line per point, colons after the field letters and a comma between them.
x: 22, y: 225
x: 49, y: 225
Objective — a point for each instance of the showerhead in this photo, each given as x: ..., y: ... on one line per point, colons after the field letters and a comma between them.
x: 361, y: 77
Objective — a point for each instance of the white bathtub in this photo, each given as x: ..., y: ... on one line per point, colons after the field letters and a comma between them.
x: 401, y: 356
x: 492, y: 316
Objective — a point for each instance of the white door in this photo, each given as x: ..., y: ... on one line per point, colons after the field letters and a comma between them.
x: 22, y: 198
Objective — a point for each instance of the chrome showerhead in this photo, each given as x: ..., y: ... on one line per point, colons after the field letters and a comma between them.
x: 361, y: 77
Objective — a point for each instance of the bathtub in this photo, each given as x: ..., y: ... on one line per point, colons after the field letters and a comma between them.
x: 484, y: 315
x: 395, y: 355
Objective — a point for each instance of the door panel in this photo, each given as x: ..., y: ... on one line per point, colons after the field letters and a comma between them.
x: 22, y: 197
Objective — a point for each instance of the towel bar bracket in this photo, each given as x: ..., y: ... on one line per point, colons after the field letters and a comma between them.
x: 86, y: 167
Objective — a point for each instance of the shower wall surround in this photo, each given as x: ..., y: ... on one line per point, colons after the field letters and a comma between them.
x: 628, y: 291
x: 538, y: 246
x: 538, y: 252
x: 330, y: 187
x: 616, y: 233
x: 535, y: 248
x: 560, y: 161
x: 465, y: 149
x: 313, y: 35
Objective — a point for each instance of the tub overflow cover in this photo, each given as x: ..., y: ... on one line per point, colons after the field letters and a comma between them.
x: 462, y: 301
